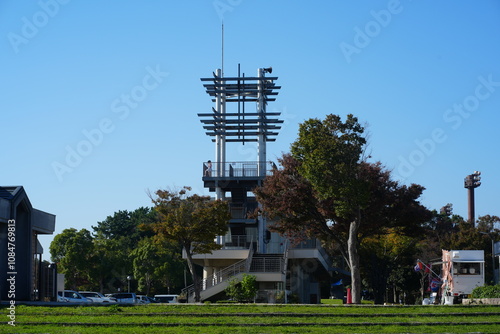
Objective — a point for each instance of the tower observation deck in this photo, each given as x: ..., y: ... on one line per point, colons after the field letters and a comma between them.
x: 240, y: 124
x: 248, y: 246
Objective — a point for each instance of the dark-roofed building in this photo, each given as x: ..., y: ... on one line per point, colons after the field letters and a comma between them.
x: 21, y: 223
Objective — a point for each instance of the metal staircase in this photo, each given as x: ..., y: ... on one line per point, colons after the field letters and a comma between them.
x: 219, y: 281
x: 255, y: 264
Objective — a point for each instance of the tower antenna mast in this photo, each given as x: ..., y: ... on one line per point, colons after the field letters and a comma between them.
x: 222, y: 51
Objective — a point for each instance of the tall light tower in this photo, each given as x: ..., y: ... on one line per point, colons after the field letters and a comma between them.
x: 470, y: 182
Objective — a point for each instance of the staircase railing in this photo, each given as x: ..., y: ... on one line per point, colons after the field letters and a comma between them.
x: 222, y: 275
x: 249, y: 259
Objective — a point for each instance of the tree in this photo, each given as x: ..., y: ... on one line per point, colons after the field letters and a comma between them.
x: 157, y: 265
x: 325, y: 190
x: 329, y: 153
x: 466, y: 237
x: 124, y: 227
x: 116, y: 238
x: 73, y: 251
x: 191, y: 220
x: 111, y: 263
x: 388, y: 260
x: 488, y: 224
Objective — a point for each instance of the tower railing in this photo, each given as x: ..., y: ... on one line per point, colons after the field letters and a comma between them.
x: 236, y: 169
x: 238, y: 242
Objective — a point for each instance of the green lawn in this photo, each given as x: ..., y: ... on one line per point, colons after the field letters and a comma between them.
x: 252, y: 318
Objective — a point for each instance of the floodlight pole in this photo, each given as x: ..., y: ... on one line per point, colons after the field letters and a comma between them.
x: 470, y: 183
x: 470, y: 204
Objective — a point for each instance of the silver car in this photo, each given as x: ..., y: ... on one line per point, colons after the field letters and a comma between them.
x: 125, y: 297
x: 71, y: 296
x: 97, y: 297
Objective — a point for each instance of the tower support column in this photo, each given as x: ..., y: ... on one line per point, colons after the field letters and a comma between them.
x: 261, y: 137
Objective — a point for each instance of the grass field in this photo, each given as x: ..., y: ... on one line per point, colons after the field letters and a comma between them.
x: 254, y: 318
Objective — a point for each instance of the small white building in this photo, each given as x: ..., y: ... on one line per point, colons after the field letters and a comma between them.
x: 462, y: 271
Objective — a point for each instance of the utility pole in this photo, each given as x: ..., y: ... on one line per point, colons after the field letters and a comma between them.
x: 471, y: 182
x: 492, y: 255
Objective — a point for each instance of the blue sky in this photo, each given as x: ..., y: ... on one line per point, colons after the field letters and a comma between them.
x: 100, y: 98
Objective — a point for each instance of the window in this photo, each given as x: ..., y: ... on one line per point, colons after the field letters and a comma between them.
x: 467, y: 268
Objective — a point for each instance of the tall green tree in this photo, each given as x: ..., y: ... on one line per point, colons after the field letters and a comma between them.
x: 73, y: 251
x: 111, y: 261
x: 116, y: 237
x: 193, y: 221
x: 329, y: 153
x: 325, y: 190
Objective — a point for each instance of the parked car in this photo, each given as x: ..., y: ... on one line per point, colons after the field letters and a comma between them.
x: 97, y: 297
x: 147, y: 299
x: 152, y: 299
x: 61, y: 298
x: 71, y: 296
x: 143, y: 299
x: 125, y: 297
x: 166, y: 298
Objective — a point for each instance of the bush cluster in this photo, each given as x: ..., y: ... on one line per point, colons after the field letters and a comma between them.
x: 487, y: 291
x: 244, y: 291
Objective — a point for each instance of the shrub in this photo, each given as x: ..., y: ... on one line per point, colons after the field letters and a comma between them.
x: 244, y: 291
x: 487, y: 291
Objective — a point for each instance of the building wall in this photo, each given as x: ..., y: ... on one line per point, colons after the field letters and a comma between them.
x: 302, y: 281
x: 24, y: 253
x: 15, y: 205
x: 3, y: 260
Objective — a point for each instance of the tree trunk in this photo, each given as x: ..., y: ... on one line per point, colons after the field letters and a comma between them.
x: 196, y: 280
x: 101, y: 284
x: 352, y: 249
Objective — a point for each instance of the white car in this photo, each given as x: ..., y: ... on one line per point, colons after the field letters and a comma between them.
x: 97, y: 297
x: 71, y: 296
